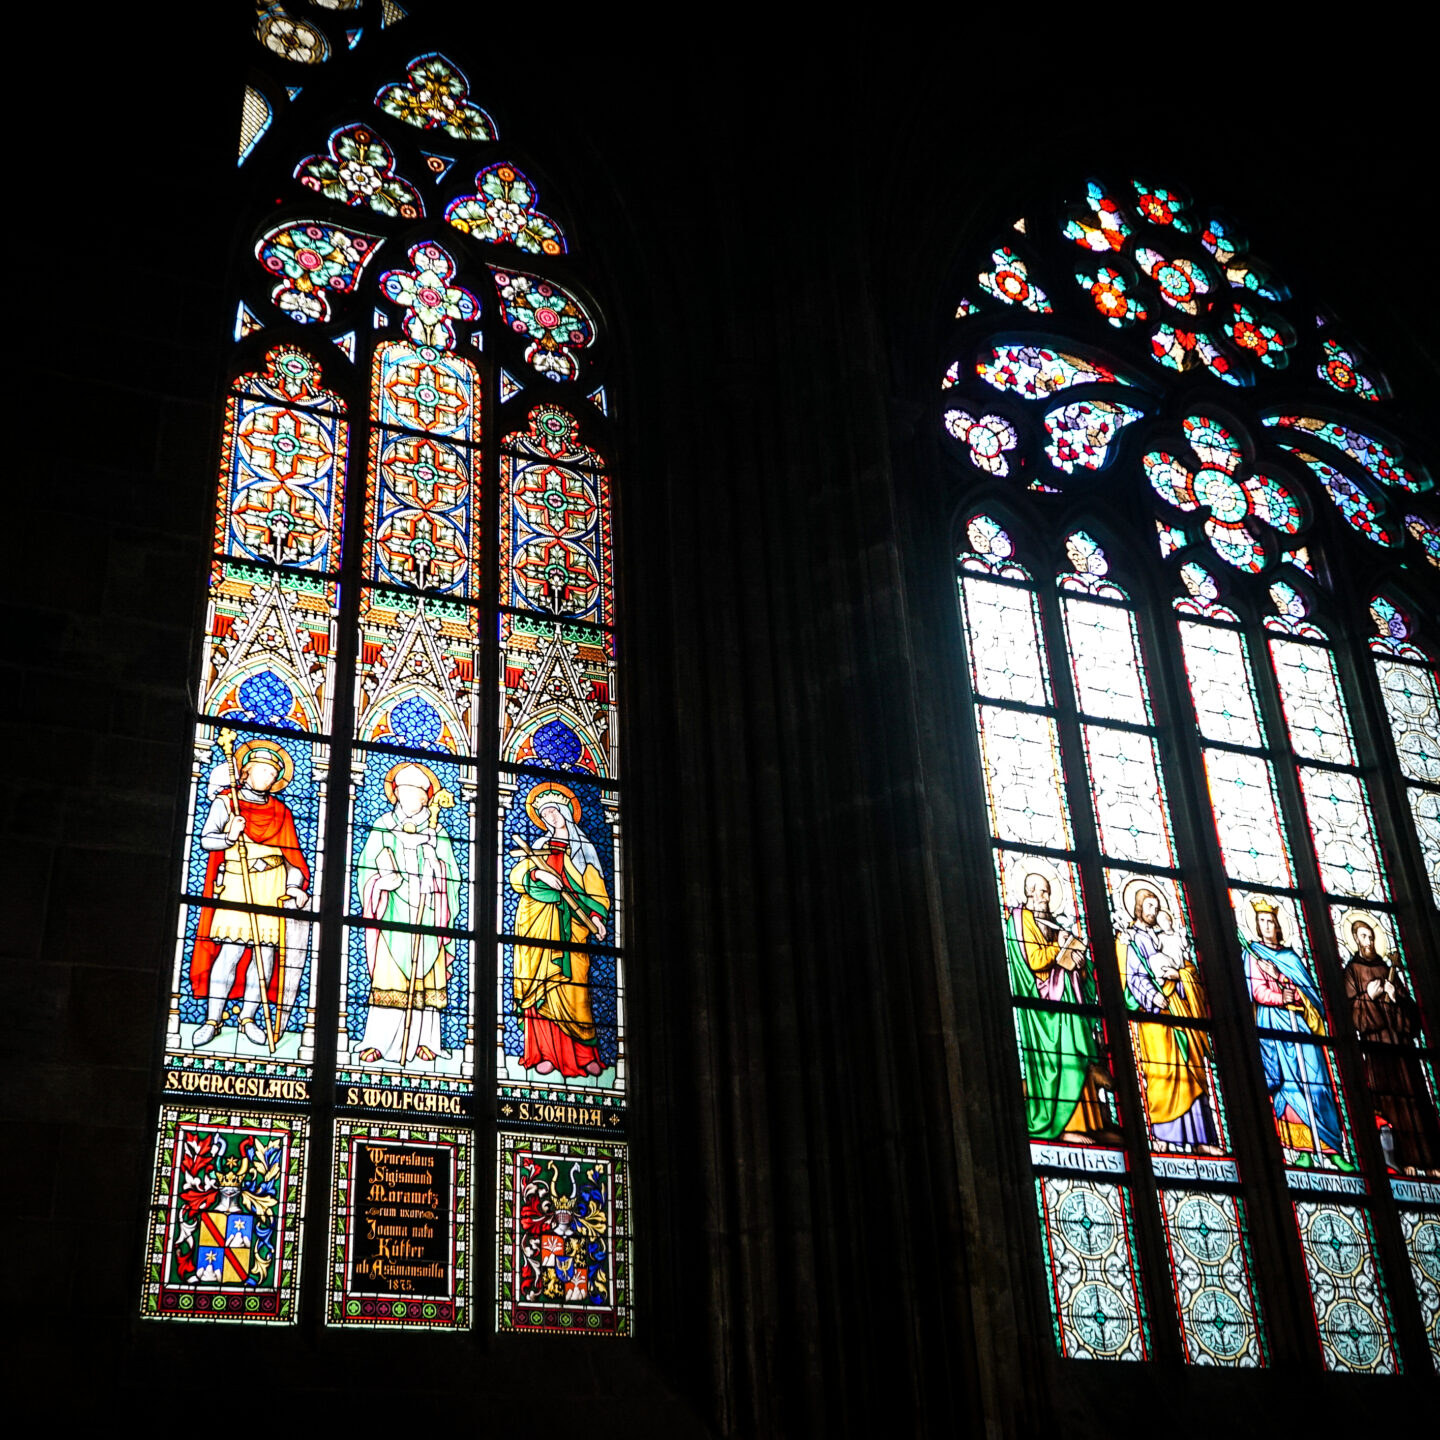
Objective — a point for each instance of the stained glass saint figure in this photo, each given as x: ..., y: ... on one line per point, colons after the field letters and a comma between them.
x: 1064, y: 1074
x: 254, y: 859
x: 563, y: 902
x: 410, y: 877
x: 1297, y: 1076
x: 1387, y: 1020
x: 1157, y: 965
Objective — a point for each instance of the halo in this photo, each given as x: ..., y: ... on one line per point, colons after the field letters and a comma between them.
x: 1351, y: 918
x: 541, y: 791
x: 287, y: 765
x: 394, y: 770
x: 1157, y: 887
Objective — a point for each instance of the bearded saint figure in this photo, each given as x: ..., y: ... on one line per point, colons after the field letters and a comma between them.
x: 1386, y: 1019
x: 563, y: 903
x: 1064, y: 1075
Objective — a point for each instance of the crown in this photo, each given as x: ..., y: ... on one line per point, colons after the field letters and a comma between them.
x: 1263, y: 905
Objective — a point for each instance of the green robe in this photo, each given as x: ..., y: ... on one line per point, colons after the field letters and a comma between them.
x: 1057, y: 1049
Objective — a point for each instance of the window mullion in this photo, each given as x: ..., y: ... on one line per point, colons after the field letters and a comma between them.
x: 1153, y: 1267
x: 1376, y: 1202
x: 1277, y: 1252
x: 330, y: 956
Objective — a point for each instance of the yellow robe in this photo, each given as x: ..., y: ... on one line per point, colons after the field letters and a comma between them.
x: 1171, y: 1060
x: 540, y: 980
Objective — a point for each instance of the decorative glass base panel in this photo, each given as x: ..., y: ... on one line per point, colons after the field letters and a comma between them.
x: 400, y: 1227
x: 563, y: 1257
x: 226, y: 1211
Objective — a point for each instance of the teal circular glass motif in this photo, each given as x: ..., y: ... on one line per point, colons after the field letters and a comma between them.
x: 1219, y: 1323
x: 1101, y: 1318
x: 1176, y: 286
x: 1226, y: 498
x: 1335, y: 1244
x: 1425, y: 1248
x: 1086, y: 1223
x: 1354, y: 1333
x: 1204, y: 1229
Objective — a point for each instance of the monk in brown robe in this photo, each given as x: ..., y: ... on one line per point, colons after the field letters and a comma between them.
x: 1387, y: 1020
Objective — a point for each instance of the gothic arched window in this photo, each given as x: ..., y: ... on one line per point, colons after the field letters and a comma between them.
x: 398, y: 962
x: 1197, y: 549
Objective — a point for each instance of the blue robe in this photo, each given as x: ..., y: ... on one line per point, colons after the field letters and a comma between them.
x: 1296, y: 1075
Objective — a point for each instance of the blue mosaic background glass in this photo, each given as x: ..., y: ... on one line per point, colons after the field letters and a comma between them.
x: 301, y: 795
x: 517, y: 825
x: 371, y: 803
x: 267, y: 700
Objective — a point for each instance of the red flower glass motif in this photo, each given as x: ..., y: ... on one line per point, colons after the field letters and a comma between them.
x: 1341, y: 371
x: 1010, y: 281
x: 1107, y: 287
x: 1162, y: 207
x: 1268, y: 339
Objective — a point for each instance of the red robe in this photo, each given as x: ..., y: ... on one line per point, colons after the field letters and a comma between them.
x: 544, y: 1039
x: 267, y: 822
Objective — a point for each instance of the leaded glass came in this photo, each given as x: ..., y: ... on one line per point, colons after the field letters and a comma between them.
x: 1236, y: 822
x: 401, y: 906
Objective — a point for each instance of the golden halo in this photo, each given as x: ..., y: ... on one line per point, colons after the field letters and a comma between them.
x: 287, y: 765
x: 394, y: 770
x: 1158, y: 888
x: 541, y: 791
x: 1352, y: 918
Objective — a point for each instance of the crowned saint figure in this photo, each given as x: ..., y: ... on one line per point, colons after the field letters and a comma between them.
x: 408, y: 875
x: 563, y: 902
x: 1064, y: 1076
x: 1286, y: 998
x: 254, y: 859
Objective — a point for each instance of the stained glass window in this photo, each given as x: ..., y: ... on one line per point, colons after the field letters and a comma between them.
x: 1411, y: 696
x: 405, y: 722
x: 1241, y: 844
x: 1077, y: 1020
